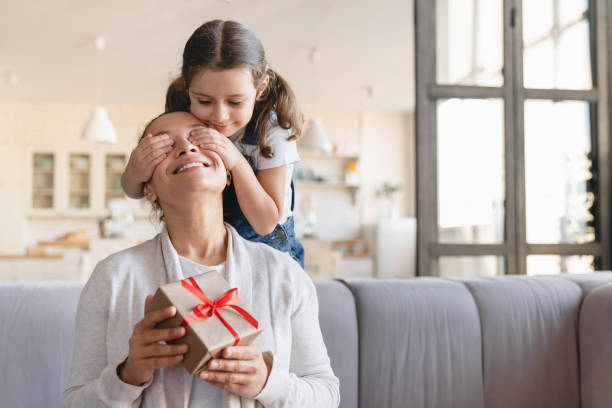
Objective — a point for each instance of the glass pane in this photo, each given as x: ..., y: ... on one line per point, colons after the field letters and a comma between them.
x: 555, y: 264
x: 42, y: 180
x: 449, y: 266
x: 469, y: 42
x: 471, y: 185
x: 79, y: 180
x: 556, y: 45
x: 113, y: 168
x: 559, y: 190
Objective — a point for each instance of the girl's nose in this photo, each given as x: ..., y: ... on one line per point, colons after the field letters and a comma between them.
x: 220, y: 113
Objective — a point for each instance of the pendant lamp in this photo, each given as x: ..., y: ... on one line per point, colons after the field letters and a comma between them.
x: 314, y: 138
x: 99, y: 127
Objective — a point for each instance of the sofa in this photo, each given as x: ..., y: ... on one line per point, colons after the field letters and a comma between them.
x: 504, y: 342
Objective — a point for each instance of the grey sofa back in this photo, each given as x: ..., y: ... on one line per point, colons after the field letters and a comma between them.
x: 426, y: 343
x: 419, y: 343
x: 37, y: 340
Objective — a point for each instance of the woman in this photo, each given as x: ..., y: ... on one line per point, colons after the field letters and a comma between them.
x: 118, y: 358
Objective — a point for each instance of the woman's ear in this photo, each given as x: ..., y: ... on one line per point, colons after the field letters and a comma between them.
x: 262, y: 87
x: 149, y: 193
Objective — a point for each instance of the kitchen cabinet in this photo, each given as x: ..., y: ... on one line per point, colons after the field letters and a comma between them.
x: 65, y: 183
x: 79, y: 173
x: 43, y: 180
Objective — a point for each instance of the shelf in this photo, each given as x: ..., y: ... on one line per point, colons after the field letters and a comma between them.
x: 325, y: 185
x: 19, y: 256
x: 324, y: 156
x: 50, y: 214
x: 72, y: 243
x: 313, y: 185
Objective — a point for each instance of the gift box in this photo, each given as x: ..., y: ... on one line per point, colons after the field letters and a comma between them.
x: 212, y: 314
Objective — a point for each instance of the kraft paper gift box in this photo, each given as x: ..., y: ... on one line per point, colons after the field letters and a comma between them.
x: 208, y: 329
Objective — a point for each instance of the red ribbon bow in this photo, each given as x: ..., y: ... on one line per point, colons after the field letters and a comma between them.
x: 209, y: 308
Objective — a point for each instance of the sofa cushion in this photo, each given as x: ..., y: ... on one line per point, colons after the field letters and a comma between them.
x: 338, y: 320
x: 37, y: 338
x: 588, y: 281
x: 596, y: 347
x: 529, y: 335
x: 419, y: 344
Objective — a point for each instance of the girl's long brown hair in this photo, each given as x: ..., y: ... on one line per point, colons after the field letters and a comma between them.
x: 221, y: 44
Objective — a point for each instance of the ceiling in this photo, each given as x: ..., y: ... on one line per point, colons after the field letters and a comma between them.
x: 48, y: 45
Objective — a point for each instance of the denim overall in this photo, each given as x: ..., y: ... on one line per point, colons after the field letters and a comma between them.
x: 283, y: 236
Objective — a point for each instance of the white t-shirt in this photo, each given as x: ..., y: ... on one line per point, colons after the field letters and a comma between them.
x: 285, y: 154
x: 204, y: 393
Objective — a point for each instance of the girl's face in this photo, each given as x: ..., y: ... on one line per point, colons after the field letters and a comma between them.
x: 223, y: 99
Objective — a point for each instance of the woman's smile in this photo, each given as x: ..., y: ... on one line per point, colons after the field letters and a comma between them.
x: 191, y: 165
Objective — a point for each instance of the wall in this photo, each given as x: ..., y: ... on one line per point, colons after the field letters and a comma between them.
x: 386, y: 146
x: 25, y: 125
x: 384, y: 140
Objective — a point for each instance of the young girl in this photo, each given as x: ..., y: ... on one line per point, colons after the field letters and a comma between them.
x: 252, y: 122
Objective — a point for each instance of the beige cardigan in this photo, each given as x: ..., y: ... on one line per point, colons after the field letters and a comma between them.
x: 273, y: 286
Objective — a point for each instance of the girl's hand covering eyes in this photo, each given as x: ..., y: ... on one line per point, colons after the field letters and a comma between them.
x: 147, y: 155
x: 210, y: 139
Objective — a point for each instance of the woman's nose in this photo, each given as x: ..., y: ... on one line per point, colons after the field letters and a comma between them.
x: 183, y: 146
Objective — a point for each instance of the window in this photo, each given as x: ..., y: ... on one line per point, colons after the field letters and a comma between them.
x: 512, y: 137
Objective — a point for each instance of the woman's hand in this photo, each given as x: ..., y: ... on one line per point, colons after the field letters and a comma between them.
x: 210, y: 139
x: 242, y: 370
x: 147, y: 354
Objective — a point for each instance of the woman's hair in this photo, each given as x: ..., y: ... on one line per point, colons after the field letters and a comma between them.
x: 222, y: 45
x: 157, y: 214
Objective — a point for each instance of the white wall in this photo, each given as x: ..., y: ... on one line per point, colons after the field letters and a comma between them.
x: 385, y: 141
x: 386, y: 146
x: 25, y: 125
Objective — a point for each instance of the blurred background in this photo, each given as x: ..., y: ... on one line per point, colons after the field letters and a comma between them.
x: 484, y: 122
x: 72, y: 71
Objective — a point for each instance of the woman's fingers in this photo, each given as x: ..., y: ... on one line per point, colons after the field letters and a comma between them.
x: 241, y: 352
x: 237, y: 366
x: 226, y: 378
x: 157, y: 335
x: 160, y: 350
x: 154, y: 317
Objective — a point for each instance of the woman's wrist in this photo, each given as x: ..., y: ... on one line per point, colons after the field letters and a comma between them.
x: 124, y: 374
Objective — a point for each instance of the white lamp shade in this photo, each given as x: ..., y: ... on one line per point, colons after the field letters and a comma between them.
x: 314, y: 138
x: 99, y: 128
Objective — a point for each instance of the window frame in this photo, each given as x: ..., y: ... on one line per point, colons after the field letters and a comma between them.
x: 515, y: 248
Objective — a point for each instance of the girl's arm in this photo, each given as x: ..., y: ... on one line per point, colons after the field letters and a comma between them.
x: 260, y: 197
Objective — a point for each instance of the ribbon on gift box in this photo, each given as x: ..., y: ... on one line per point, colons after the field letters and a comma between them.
x: 209, y: 308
